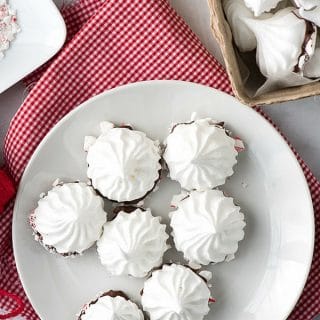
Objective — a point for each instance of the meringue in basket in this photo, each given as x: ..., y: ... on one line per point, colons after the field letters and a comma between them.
x: 236, y: 11
x: 285, y: 43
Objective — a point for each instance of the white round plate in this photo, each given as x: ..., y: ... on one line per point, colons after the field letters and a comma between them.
x: 271, y: 266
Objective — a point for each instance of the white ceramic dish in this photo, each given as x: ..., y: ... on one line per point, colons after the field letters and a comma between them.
x: 270, y: 270
x: 42, y: 34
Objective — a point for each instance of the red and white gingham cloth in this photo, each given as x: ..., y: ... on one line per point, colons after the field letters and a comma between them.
x: 112, y: 43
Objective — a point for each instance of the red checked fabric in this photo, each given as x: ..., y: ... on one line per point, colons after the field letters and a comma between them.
x: 122, y: 41
x: 7, y: 189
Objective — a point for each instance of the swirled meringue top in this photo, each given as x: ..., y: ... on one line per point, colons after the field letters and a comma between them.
x: 175, y: 293
x: 123, y: 164
x: 133, y: 243
x: 69, y: 219
x: 200, y: 155
x: 207, y: 227
x: 112, y: 308
x: 284, y: 43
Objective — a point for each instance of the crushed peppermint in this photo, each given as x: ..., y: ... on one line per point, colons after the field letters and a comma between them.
x: 8, y: 26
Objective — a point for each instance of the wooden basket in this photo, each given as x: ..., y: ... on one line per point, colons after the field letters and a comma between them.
x: 222, y: 33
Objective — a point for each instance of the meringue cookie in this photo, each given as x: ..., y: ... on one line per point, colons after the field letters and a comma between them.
x: 175, y: 292
x: 236, y: 11
x: 69, y: 219
x: 111, y: 306
x: 133, y: 243
x: 123, y: 164
x: 307, y: 4
x: 260, y: 6
x: 200, y: 155
x: 207, y: 227
x: 312, y: 15
x: 279, y: 42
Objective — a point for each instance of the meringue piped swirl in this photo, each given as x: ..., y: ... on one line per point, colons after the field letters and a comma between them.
x: 207, y: 227
x: 133, y: 243
x: 175, y: 293
x: 200, y: 155
x: 283, y: 45
x: 123, y: 164
x: 69, y: 218
x: 112, y: 308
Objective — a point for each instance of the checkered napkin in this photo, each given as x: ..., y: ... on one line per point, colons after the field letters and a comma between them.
x: 111, y: 43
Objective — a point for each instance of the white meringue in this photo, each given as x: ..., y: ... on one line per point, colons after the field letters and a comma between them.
x: 307, y: 4
x: 312, y: 15
x: 69, y: 219
x: 207, y: 227
x: 280, y: 43
x: 133, y: 243
x: 236, y: 11
x: 200, y: 155
x: 260, y: 6
x: 175, y: 293
x: 123, y: 164
x: 111, y: 308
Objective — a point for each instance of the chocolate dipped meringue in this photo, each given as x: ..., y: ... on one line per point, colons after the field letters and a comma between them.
x: 123, y: 164
x: 207, y: 226
x: 111, y: 305
x: 133, y: 243
x: 69, y: 218
x: 200, y: 154
x: 175, y: 292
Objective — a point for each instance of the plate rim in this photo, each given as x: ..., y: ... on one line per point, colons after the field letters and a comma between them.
x: 187, y: 84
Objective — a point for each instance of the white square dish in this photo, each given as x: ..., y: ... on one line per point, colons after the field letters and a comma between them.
x: 42, y: 34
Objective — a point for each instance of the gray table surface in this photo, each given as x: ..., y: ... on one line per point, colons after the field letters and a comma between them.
x: 298, y: 120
